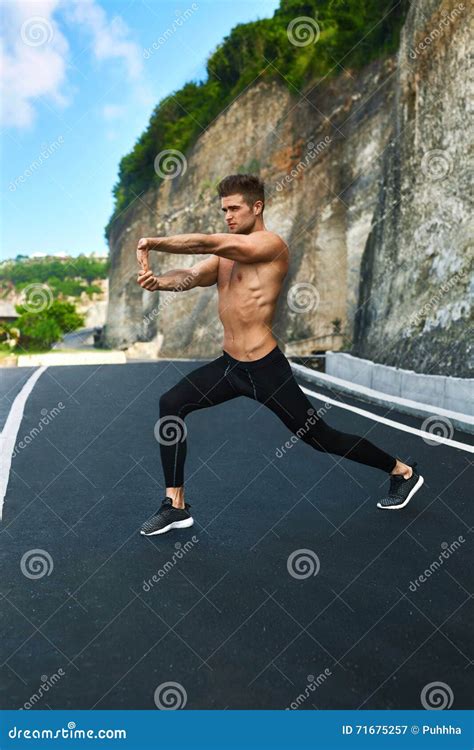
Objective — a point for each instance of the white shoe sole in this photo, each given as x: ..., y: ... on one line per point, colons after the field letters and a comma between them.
x: 409, y: 497
x: 175, y: 525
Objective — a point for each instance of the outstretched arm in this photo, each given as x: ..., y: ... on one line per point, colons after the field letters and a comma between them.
x: 246, y: 248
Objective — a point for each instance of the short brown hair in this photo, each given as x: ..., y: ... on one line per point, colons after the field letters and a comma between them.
x: 249, y: 186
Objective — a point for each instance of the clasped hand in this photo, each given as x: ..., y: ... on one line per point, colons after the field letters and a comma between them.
x: 145, y: 277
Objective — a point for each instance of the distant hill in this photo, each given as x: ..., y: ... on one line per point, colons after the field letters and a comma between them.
x: 65, y: 276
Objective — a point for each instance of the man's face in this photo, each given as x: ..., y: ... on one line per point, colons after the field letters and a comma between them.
x: 239, y: 217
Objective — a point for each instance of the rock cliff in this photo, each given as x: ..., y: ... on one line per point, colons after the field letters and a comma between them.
x: 367, y: 182
x: 414, y: 303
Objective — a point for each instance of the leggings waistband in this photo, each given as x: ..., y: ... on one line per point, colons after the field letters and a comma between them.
x: 274, y: 354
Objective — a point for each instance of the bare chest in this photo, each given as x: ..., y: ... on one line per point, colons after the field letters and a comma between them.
x: 233, y: 275
x: 247, y: 284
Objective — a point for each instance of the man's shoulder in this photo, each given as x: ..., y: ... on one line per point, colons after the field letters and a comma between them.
x: 267, y: 233
x: 273, y: 238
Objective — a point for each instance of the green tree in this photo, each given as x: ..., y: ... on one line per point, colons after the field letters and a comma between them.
x: 61, y: 275
x: 40, y: 330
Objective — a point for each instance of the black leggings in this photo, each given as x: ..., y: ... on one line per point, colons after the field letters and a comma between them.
x: 269, y: 381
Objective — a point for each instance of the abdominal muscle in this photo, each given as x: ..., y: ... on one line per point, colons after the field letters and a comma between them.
x: 248, y: 295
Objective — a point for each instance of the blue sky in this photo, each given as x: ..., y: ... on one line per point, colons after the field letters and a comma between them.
x: 78, y: 89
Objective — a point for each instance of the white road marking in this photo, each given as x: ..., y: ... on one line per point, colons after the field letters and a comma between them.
x: 10, y: 431
x: 392, y: 423
x: 379, y: 398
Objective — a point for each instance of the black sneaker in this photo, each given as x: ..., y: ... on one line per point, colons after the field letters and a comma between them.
x: 401, y: 490
x: 167, y: 517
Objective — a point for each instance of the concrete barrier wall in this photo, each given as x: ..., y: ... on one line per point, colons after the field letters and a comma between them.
x: 99, y: 357
x: 454, y: 394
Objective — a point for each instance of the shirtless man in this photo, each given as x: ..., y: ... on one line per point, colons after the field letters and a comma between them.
x: 248, y: 264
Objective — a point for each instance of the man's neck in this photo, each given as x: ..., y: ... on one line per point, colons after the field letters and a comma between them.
x: 260, y: 227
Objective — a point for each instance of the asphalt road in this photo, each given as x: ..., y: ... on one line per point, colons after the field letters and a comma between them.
x: 231, y: 619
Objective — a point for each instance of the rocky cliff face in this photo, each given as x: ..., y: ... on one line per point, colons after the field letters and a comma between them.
x: 372, y: 234
x: 414, y: 302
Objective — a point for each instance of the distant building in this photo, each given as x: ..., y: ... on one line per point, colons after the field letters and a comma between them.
x: 56, y: 256
x: 8, y: 314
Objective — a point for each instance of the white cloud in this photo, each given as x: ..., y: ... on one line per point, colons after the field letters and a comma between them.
x: 113, y: 111
x: 32, y: 60
x: 109, y: 36
x: 35, y: 53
